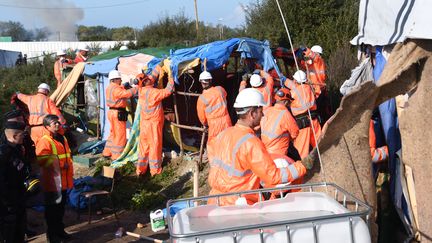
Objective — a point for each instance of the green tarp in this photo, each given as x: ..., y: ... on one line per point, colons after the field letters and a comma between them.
x: 156, y: 51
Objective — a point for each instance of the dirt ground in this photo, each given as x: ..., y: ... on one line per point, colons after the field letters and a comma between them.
x: 104, y: 226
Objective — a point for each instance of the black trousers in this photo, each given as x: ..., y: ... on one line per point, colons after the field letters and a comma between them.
x: 12, y: 226
x: 54, y: 217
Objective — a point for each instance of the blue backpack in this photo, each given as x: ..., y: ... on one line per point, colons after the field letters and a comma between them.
x: 83, y: 184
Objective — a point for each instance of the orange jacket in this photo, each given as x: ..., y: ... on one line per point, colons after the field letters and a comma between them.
x: 266, y: 90
x: 150, y: 99
x: 117, y: 95
x: 58, y: 67
x: 40, y: 105
x: 51, y: 153
x: 316, y: 70
x: 302, y: 99
x: 211, y: 106
x: 80, y: 58
x: 241, y: 163
x: 278, y: 127
x: 378, y: 154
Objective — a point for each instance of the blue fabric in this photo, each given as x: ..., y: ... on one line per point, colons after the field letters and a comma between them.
x: 152, y: 64
x: 8, y: 58
x: 81, y: 185
x: 218, y: 53
x: 101, y: 67
x: 94, y: 147
x: 175, y: 208
x: 392, y: 136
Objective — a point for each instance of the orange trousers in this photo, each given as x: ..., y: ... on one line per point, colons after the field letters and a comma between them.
x: 150, y: 147
x: 305, y: 138
x: 36, y: 133
x: 217, y: 125
x: 116, y: 141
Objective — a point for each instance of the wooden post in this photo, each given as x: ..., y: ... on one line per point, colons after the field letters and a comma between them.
x: 197, y: 165
x: 196, y: 21
x: 98, y: 107
x: 178, y: 122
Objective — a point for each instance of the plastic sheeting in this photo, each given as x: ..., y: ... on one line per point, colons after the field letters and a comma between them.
x: 383, y: 22
x: 390, y: 125
x: 217, y: 53
x: 127, y: 65
x: 8, y: 58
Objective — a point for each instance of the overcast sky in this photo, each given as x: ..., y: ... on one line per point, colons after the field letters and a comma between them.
x: 116, y: 13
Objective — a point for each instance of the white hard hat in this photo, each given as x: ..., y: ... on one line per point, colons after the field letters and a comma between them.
x: 84, y: 49
x: 249, y: 97
x: 44, y: 86
x: 205, y: 76
x: 255, y: 80
x: 60, y: 53
x: 114, y: 74
x: 122, y: 48
x: 300, y: 76
x: 317, y: 48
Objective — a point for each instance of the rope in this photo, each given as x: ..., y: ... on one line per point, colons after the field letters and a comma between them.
x: 304, y: 93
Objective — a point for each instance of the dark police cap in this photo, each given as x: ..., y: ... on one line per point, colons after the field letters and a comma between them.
x: 15, y: 125
x: 12, y: 114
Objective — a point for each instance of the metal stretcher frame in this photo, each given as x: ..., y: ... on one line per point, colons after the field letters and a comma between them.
x: 360, y: 209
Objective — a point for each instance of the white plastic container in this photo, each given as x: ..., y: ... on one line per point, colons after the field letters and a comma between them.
x: 294, y: 206
x: 157, y: 220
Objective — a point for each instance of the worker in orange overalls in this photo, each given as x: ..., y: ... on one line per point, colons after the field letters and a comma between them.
x: 151, y: 124
x: 304, y: 99
x: 263, y: 82
x: 40, y: 105
x: 82, y: 55
x: 56, y: 165
x: 59, y: 65
x: 212, y: 106
x: 316, y: 72
x: 239, y: 160
x: 378, y: 154
x: 116, y: 100
x: 278, y: 126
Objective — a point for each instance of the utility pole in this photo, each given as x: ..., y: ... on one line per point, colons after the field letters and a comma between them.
x: 196, y: 20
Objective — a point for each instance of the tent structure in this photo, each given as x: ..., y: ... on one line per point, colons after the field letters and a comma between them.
x: 185, y: 65
x: 8, y: 58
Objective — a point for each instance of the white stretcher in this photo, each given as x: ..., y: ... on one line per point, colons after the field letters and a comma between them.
x: 321, y: 213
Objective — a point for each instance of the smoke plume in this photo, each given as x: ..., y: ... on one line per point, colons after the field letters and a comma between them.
x: 59, y: 16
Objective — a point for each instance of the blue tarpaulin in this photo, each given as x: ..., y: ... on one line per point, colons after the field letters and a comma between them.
x: 217, y: 53
x: 8, y: 58
x: 390, y: 125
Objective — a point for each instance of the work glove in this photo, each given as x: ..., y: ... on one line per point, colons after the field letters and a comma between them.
x: 309, y: 161
x: 246, y: 76
x: 126, y: 85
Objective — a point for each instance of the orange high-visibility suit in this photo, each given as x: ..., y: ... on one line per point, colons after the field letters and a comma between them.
x: 266, y: 89
x: 80, y: 58
x: 212, y: 110
x: 239, y: 161
x: 51, y: 153
x: 278, y: 128
x: 378, y: 154
x: 304, y: 99
x: 316, y: 70
x: 116, y: 100
x: 151, y: 125
x: 39, y: 105
x: 58, y: 68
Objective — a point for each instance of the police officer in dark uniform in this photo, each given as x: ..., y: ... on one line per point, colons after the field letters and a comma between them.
x: 14, y: 169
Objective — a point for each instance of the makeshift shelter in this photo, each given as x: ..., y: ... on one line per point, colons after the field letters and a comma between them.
x: 8, y: 58
x: 223, y: 59
x: 129, y: 65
